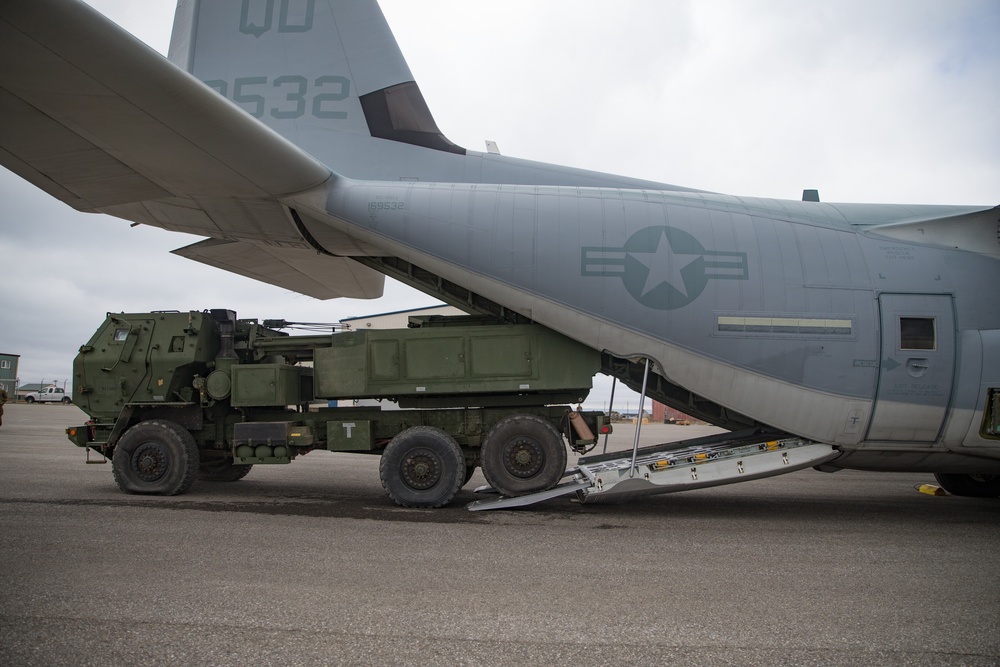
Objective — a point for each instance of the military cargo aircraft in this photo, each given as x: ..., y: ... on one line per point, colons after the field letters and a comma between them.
x: 292, y: 135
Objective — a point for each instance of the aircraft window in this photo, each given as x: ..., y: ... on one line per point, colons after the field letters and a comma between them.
x: 916, y: 333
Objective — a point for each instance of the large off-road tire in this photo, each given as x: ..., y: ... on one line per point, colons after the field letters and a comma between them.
x: 974, y: 486
x: 422, y: 467
x: 156, y: 457
x: 523, y: 454
x: 223, y: 470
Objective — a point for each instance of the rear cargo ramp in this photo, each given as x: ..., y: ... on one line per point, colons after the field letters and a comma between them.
x: 713, y: 461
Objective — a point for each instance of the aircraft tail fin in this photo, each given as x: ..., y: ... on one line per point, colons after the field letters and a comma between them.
x: 327, y: 75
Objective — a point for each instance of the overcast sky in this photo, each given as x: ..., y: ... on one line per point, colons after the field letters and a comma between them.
x: 887, y: 101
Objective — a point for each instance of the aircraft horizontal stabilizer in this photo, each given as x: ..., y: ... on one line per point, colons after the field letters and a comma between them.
x: 296, y: 269
x: 976, y: 231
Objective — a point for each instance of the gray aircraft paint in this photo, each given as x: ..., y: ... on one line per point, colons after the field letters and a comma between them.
x: 780, y: 310
x: 804, y: 273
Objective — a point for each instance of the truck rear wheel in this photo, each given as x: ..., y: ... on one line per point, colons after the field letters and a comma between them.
x: 973, y: 486
x: 422, y: 467
x: 223, y: 470
x: 155, y: 457
x: 523, y: 454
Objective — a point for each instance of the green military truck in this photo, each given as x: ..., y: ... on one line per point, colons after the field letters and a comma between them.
x: 175, y: 396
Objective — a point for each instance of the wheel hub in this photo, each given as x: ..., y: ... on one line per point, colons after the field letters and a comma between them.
x: 421, y: 469
x: 523, y: 457
x: 150, y: 462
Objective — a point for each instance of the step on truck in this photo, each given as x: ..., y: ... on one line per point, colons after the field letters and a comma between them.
x: 178, y: 396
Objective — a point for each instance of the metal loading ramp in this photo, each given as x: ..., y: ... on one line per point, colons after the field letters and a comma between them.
x: 692, y: 464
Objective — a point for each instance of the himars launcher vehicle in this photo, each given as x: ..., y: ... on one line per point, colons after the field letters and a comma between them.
x: 174, y: 395
x: 292, y: 135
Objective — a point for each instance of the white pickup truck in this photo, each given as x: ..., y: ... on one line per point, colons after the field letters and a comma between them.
x: 48, y: 395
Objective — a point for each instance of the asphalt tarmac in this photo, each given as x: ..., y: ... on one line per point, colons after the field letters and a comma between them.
x: 312, y: 564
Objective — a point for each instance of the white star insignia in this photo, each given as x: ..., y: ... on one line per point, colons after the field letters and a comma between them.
x: 664, y: 266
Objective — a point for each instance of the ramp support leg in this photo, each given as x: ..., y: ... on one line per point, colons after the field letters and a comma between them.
x: 611, y: 407
x: 638, y: 419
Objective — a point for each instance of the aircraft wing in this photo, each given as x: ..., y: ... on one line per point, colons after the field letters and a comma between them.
x: 96, y: 118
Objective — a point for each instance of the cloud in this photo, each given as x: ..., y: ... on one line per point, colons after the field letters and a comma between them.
x: 762, y: 98
x: 888, y: 101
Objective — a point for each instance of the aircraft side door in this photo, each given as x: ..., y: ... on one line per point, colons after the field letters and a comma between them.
x: 916, y: 368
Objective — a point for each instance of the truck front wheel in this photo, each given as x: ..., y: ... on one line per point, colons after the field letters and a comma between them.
x: 523, y: 454
x: 155, y: 457
x: 29, y: 399
x: 422, y: 467
x: 223, y: 470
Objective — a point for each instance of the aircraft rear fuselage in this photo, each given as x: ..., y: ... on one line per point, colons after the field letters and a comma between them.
x: 781, y: 310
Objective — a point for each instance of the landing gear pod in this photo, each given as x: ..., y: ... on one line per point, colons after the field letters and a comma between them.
x: 974, y: 486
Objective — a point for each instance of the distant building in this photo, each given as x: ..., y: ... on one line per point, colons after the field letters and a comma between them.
x: 663, y: 414
x: 8, y: 372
